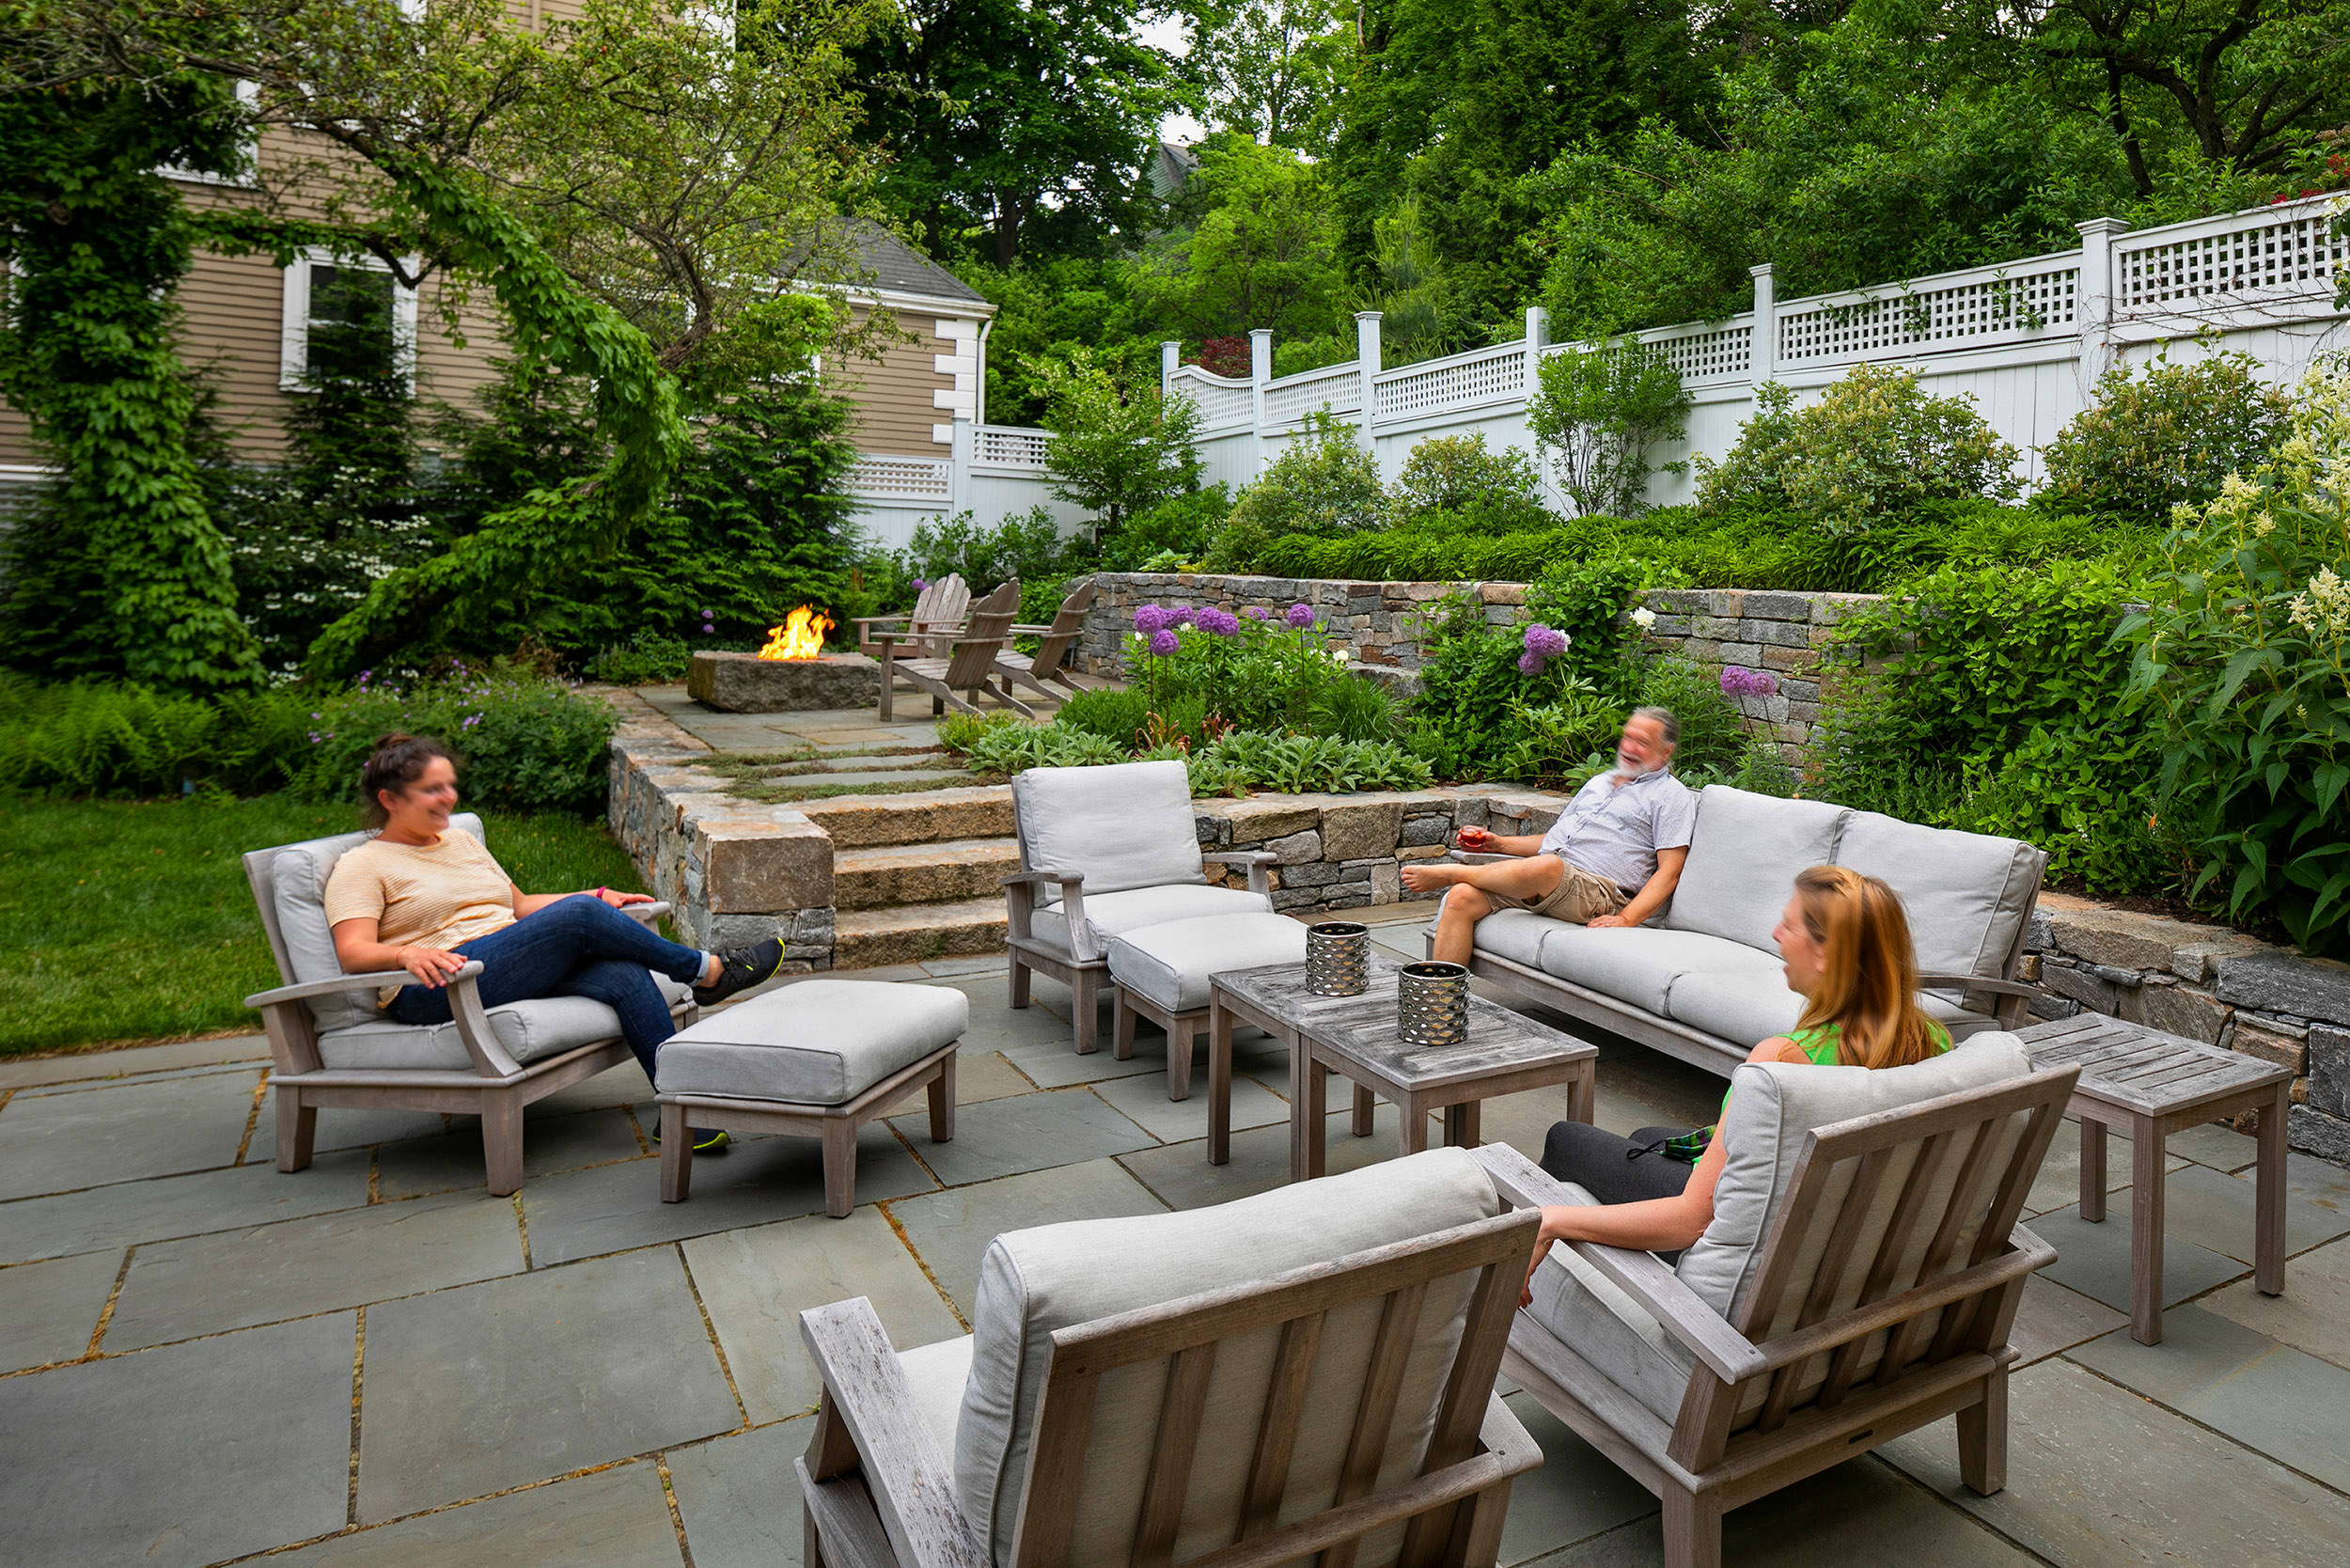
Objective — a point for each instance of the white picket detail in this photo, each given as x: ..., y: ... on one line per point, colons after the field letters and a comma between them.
x: 1458, y: 381
x: 1010, y: 447
x: 1338, y: 389
x: 2290, y: 251
x: 1221, y: 402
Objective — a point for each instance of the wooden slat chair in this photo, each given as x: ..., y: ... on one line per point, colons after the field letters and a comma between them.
x: 1047, y: 668
x: 938, y: 614
x: 332, y: 1047
x: 1306, y: 1371
x: 958, y: 679
x: 1867, y: 1291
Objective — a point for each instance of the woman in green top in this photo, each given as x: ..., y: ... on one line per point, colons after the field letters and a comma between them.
x: 1846, y: 945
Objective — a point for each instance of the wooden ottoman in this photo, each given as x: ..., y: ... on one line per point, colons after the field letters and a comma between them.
x: 1163, y: 973
x: 817, y: 1059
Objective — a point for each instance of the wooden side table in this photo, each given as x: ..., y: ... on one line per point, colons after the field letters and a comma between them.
x: 2148, y: 1085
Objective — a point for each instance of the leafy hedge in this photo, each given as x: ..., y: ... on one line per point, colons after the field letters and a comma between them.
x: 1230, y: 764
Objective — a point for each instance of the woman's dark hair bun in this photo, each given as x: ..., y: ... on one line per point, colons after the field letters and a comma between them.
x: 398, y: 760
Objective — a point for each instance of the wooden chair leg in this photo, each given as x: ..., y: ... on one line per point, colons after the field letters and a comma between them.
x: 1478, y: 1531
x: 676, y: 1155
x: 1085, y: 1009
x: 1122, y: 1026
x: 839, y: 1166
x: 1019, y: 985
x: 1182, y: 1035
x: 1983, y: 1438
x: 297, y: 1129
x: 502, y: 1142
x: 1693, y: 1531
x: 943, y: 1102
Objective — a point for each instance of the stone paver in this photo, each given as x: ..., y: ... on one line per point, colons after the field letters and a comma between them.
x: 205, y: 1284
x: 48, y: 1310
x: 182, y: 1455
x: 614, y: 1519
x: 452, y: 1161
x: 2051, y: 1319
x: 2211, y: 1144
x: 179, y: 1206
x: 1576, y: 1495
x: 2094, y: 1260
x: 64, y: 1142
x: 2313, y: 1314
x: 2059, y: 1184
x: 738, y: 1498
x: 1182, y: 1177
x: 350, y: 1129
x: 950, y: 1230
x: 1003, y: 1137
x: 1143, y: 1101
x: 477, y: 1390
x: 753, y: 1283
x: 98, y: 1066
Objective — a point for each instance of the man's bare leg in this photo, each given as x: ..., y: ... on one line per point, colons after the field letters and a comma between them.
x: 1466, y: 903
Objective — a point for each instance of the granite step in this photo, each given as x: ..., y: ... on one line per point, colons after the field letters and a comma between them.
x: 890, y: 875
x: 870, y: 938
x: 927, y: 816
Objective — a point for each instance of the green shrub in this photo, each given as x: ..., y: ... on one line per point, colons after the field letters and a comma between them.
x: 1230, y: 764
x: 646, y: 659
x: 960, y: 732
x: 1545, y: 742
x: 1598, y: 415
x: 2241, y: 651
x: 1354, y: 708
x: 1262, y: 674
x: 1014, y: 747
x: 2148, y: 443
x: 1753, y: 473
x: 1030, y: 547
x: 1322, y: 483
x: 1469, y: 485
x: 98, y: 738
x: 1179, y: 525
x: 1115, y: 713
x: 1763, y: 771
x: 1712, y: 734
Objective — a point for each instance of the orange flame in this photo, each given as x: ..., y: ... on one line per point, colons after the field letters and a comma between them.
x: 800, y: 637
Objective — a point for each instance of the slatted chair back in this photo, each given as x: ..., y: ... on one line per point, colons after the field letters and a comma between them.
x: 939, y: 610
x: 1319, y: 1410
x: 982, y: 636
x: 1883, y: 1258
x: 1052, y: 651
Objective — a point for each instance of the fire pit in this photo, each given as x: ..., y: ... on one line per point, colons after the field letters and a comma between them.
x: 792, y: 674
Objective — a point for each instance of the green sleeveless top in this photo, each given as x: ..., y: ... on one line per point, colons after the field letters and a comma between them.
x: 1819, y: 1043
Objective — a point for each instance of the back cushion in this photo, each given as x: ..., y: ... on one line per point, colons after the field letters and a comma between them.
x: 297, y: 883
x: 1126, y: 825
x: 1033, y: 1282
x: 1743, y: 861
x: 1964, y: 893
x: 1774, y: 1107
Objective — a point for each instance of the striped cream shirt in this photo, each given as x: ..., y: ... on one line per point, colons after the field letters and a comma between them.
x: 436, y: 894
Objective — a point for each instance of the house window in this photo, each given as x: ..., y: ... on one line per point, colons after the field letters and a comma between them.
x: 346, y: 320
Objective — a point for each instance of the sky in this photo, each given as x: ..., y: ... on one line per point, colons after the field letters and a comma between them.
x: 1168, y: 33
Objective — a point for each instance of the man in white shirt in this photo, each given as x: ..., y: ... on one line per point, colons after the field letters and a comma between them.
x: 1611, y: 859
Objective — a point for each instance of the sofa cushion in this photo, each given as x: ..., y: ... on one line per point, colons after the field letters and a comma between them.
x: 1746, y: 1007
x: 815, y: 1042
x: 1113, y: 914
x: 1742, y: 862
x: 1171, y: 964
x: 1125, y: 825
x: 1964, y: 893
x: 1034, y: 1283
x: 1515, y: 934
x: 938, y: 1374
x: 1611, y: 1330
x: 1774, y: 1107
x: 530, y: 1031
x: 1639, y: 965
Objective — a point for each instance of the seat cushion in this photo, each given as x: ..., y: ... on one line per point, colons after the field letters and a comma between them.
x: 1774, y: 1107
x: 1611, y: 1331
x: 1743, y: 861
x: 1034, y: 1283
x: 1113, y: 914
x: 1964, y: 893
x: 816, y: 1043
x: 1515, y: 934
x: 1639, y: 965
x: 938, y: 1374
x: 1172, y: 964
x: 530, y: 1031
x: 1125, y: 825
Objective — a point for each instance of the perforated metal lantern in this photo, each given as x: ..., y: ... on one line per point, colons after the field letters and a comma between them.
x: 1432, y: 1003
x: 1337, y: 958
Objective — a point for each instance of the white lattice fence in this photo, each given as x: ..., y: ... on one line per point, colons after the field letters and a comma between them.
x: 1340, y: 391
x: 2292, y: 252
x: 1009, y: 447
x: 1489, y: 375
x: 1980, y: 307
x: 1220, y: 402
x: 903, y: 478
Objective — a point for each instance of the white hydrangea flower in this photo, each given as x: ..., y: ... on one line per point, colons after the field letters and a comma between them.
x: 1644, y: 618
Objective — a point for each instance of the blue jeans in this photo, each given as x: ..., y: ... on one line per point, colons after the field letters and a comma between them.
x: 576, y: 946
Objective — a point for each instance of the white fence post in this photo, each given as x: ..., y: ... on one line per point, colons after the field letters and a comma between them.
x: 1763, y: 349
x: 1259, y: 373
x: 1170, y: 359
x: 1367, y: 354
x: 959, y: 464
x: 2093, y: 307
x: 1537, y: 339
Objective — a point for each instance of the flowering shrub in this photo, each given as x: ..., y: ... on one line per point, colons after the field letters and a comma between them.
x: 2146, y: 443
x: 1252, y: 672
x: 525, y: 741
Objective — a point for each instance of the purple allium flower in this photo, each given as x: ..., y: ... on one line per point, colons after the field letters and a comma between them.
x: 1530, y: 663
x: 1738, y: 681
x: 1218, y: 622
x: 1162, y: 642
x: 1150, y: 617
x: 1180, y: 617
x: 1542, y: 642
x: 1300, y: 616
x: 1256, y: 612
x: 708, y: 629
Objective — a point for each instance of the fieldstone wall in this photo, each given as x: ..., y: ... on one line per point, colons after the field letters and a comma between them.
x: 1345, y: 852
x: 2208, y: 984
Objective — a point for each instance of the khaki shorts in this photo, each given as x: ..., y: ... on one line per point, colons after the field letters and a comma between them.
x: 1581, y: 896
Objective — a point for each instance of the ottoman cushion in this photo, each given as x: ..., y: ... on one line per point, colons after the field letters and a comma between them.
x: 819, y: 1043
x: 1170, y: 963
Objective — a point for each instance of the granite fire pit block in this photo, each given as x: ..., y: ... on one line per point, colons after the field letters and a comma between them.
x: 747, y: 684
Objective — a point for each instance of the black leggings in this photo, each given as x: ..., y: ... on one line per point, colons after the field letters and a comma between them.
x: 1607, y: 1168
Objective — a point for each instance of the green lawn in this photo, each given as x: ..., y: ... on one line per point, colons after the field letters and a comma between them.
x: 131, y: 920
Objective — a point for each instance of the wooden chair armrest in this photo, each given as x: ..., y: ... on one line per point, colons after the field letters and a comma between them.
x: 1505, y: 1437
x: 879, y: 620
x: 647, y: 913
x: 1260, y: 864
x: 1037, y: 878
x: 911, y: 1484
x: 373, y: 982
x: 1470, y: 857
x: 1641, y: 1276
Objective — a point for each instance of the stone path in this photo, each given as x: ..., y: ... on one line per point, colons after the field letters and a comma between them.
x: 373, y: 1362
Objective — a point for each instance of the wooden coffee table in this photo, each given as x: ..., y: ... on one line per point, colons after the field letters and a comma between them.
x: 1355, y: 1038
x: 2148, y: 1085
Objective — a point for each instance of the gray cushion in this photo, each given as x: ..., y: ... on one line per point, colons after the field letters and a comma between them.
x: 542, y: 1026
x: 816, y: 1043
x: 1747, y: 1006
x: 1125, y: 825
x: 1113, y: 914
x: 1639, y: 965
x: 1964, y: 893
x: 1515, y: 934
x: 1033, y: 1282
x: 938, y: 1374
x: 1773, y: 1106
x: 1742, y: 862
x: 1611, y: 1330
x: 1171, y: 964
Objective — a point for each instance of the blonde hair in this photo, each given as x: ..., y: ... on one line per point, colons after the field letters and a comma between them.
x: 1868, y: 985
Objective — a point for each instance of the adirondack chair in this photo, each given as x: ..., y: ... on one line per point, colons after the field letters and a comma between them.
x: 938, y: 615
x: 1050, y: 661
x: 1859, y: 1280
x: 1306, y: 1371
x: 331, y: 1047
x: 969, y: 662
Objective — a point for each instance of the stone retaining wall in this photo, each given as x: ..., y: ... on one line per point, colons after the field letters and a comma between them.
x: 1345, y: 852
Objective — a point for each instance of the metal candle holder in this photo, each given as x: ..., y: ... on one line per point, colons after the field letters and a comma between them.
x: 1337, y: 958
x: 1432, y: 1003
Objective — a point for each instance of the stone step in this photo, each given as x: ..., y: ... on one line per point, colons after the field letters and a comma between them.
x: 870, y: 938
x: 890, y: 875
x: 927, y: 816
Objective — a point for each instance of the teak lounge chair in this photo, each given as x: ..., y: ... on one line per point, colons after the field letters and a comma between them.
x: 1047, y: 668
x: 969, y: 662
x: 331, y: 1046
x: 938, y: 614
